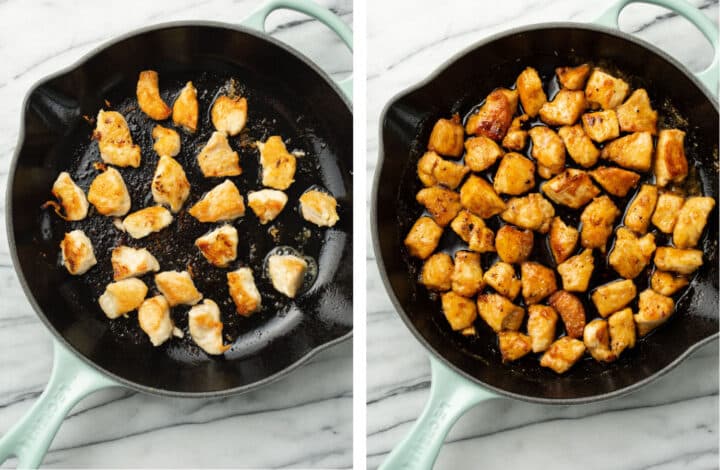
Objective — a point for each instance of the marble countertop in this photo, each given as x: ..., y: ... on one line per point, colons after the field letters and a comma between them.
x: 310, y: 427
x: 672, y: 423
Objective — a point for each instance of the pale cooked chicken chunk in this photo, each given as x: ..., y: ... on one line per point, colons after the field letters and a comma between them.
x: 515, y: 175
x: 442, y: 204
x: 178, y: 288
x: 170, y: 186
x: 499, y: 313
x: 217, y: 158
x: 516, y: 136
x: 615, y: 181
x: 278, y: 165
x: 433, y: 169
x: 631, y: 254
x: 494, y: 117
x: 531, y: 212
x: 666, y: 211
x: 597, y: 223
x: 142, y: 223
x: 423, y: 237
x: 479, y: 197
x: 572, y: 188
x: 597, y: 340
x: 267, y: 204
x: 148, y: 96
x: 667, y: 283
x: 481, y: 153
x: 513, y: 345
x: 576, y: 271
x: 243, y: 291
x: 640, y: 209
x: 601, y: 125
x: 185, y: 108
x: 691, y: 221
x: 671, y: 165
x: 206, y: 328
x: 122, y: 297
x: 132, y: 262
x: 167, y: 141
x: 622, y: 331
x: 114, y: 140
x: 229, y: 114
x: 219, y: 247
x: 512, y: 244
x: 287, y: 273
x: 446, y: 137
x: 459, y: 311
x: 548, y: 150
x: 636, y: 114
x: 530, y: 89
x: 564, y: 109
x: 613, y: 296
x: 538, y: 282
x: 223, y: 202
x: 605, y: 91
x: 71, y: 197
x: 563, y: 239
x: 579, y: 146
x: 501, y: 277
x: 542, y: 321
x: 320, y: 208
x: 467, y: 276
x: 563, y: 354
x: 437, y: 272
x: 573, y: 78
x: 109, y: 194
x: 78, y: 255
x: 633, y: 151
x: 677, y: 260
x: 571, y: 311
x: 155, y: 321
x: 653, y: 310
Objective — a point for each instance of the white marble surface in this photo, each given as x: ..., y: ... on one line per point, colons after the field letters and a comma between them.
x: 302, y: 421
x: 670, y: 424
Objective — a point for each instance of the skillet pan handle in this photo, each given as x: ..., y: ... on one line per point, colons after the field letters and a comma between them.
x: 257, y: 21
x: 70, y: 380
x: 709, y: 76
x: 450, y: 397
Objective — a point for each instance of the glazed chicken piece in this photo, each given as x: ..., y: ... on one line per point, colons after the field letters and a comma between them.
x: 77, y: 251
x: 563, y: 354
x: 667, y: 283
x: 513, y: 245
x: 442, y: 204
x: 459, y: 311
x: 631, y: 254
x: 481, y: 153
x: 447, y: 137
x: 437, y: 272
x: 287, y: 273
x: 320, y: 208
x: 278, y: 165
x: 268, y: 203
x: 132, y: 262
x: 532, y: 212
x: 542, y: 321
x: 71, y: 197
x: 433, y: 170
x: 177, y: 287
x: 563, y: 239
x: 148, y: 96
x: 217, y: 158
x: 499, y: 313
x: 572, y: 188
x: 219, y: 247
x: 167, y: 141
x: 573, y: 78
x: 538, y: 282
x: 154, y: 319
x: 613, y: 296
x: 229, y: 114
x: 467, y: 276
x: 671, y: 165
x: 681, y: 261
x: 615, y: 181
x: 597, y: 223
x: 482, y: 240
x: 605, y: 91
x: 530, y: 89
x: 565, y: 108
x: 423, y: 237
x: 122, y: 297
x: 515, y: 175
x: 513, y: 345
x: 576, y: 271
x: 597, y: 340
x: 465, y: 223
x: 243, y: 291
x: 185, y: 108
x: 571, y: 311
x: 548, y: 150
x: 636, y: 114
x: 601, y: 125
x: 640, y: 209
x: 494, y: 117
x: 516, y: 136
x: 666, y: 211
x: 142, y: 223
x: 170, y: 186
x: 633, y: 151
x: 221, y: 203
x: 206, y: 328
x: 622, y: 331
x: 501, y: 277
x: 479, y: 197
x: 653, y: 310
x: 579, y: 146
x: 114, y: 140
x: 691, y: 221
x: 109, y: 194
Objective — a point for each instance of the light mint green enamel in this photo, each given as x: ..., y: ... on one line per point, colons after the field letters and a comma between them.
x: 709, y: 76
x: 451, y: 395
x: 257, y: 21
x: 71, y: 380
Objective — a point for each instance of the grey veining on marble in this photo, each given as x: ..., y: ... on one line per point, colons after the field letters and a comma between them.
x: 302, y: 421
x: 671, y: 424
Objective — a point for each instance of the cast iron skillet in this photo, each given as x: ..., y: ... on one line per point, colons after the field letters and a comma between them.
x: 462, y: 364
x: 288, y: 95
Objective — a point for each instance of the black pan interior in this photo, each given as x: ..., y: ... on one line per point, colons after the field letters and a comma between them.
x: 286, y: 96
x: 459, y: 87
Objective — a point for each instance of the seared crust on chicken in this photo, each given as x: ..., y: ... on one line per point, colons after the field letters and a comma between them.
x: 71, y: 197
x: 530, y: 89
x: 206, y: 328
x: 677, y: 260
x: 154, y: 319
x: 576, y: 271
x: 501, y: 277
x: 640, y: 209
x: 148, y: 96
x: 542, y: 320
x: 122, y: 297
x: 691, y: 221
x: 494, y: 117
x: 185, y: 108
x: 563, y: 239
x: 245, y: 295
x: 633, y: 151
x: 579, y: 146
x: 268, y: 203
x: 132, y: 262
x: 653, y: 310
x: 167, y: 141
x: 573, y: 78
x: 611, y: 297
x: 571, y: 311
x: 564, y: 109
x: 114, y: 140
x: 278, y: 164
x: 531, y: 212
x: 636, y: 114
x: 596, y: 337
x: 479, y: 197
x: 515, y: 175
x: 666, y: 211
x: 667, y: 283
x: 459, y: 311
x: 631, y: 254
x: 615, y: 181
x: 512, y: 244
x: 538, y: 282
x: 481, y: 153
x: 601, y: 125
x: 671, y: 164
x: 605, y: 91
x: 229, y: 114
x: 287, y: 273
x: 513, y: 345
x: 446, y: 137
x: 465, y: 223
x: 442, y: 204
x: 499, y: 313
x: 223, y: 202
x: 548, y: 150
x: 217, y: 158
x: 320, y: 208
x: 433, y: 170
x: 572, y: 188
x: 177, y: 287
x: 142, y: 223
x: 78, y: 255
x: 437, y: 272
x: 597, y: 223
x: 170, y: 185
x: 516, y: 136
x: 109, y: 194
x: 622, y: 331
x: 467, y: 276
x: 563, y: 354
x: 219, y: 247
x: 423, y: 237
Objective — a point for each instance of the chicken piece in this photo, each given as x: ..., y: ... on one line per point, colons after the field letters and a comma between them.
x: 437, y: 272
x: 573, y: 78
x: 467, y: 276
x: 243, y: 291
x: 563, y: 239
x: 132, y: 262
x: 633, y: 151
x: 185, y: 108
x: 622, y: 331
x: 572, y: 188
x: 155, y: 321
x: 459, y: 311
x: 667, y: 283
x: 479, y: 197
x: 278, y: 165
x: 678, y: 260
x: 538, y: 282
x: 576, y: 271
x: 513, y: 245
x: 571, y: 311
x: 447, y: 137
x: 170, y: 185
x: 465, y: 223
x: 178, y: 288
x: 563, y: 354
x: 548, y: 150
x: 148, y: 96
x: 109, y: 194
x: 71, y: 197
x: 515, y: 175
x: 78, y: 255
x: 513, y: 345
x: 268, y: 203
x: 122, y: 297
x: 481, y: 153
x: 223, y: 202
x: 653, y: 310
x: 217, y: 158
x: 579, y: 146
x: 691, y: 221
x: 423, y: 237
x: 287, y: 273
x: 640, y: 209
x: 671, y: 165
x: 434, y: 170
x: 516, y: 136
x: 601, y: 125
x: 320, y: 208
x: 666, y: 211
x: 142, y: 223
x: 636, y: 114
x: 206, y: 328
x: 530, y: 89
x: 605, y: 91
x: 442, y: 204
x: 542, y: 321
x: 501, y: 277
x: 219, y: 247
x: 499, y: 313
x: 167, y: 141
x: 597, y: 341
x: 565, y: 108
x: 597, y: 223
x: 114, y: 140
x: 494, y: 117
x: 631, y: 254
x: 229, y: 114
x: 615, y: 181
x: 532, y: 212
x: 482, y: 240
x: 613, y: 296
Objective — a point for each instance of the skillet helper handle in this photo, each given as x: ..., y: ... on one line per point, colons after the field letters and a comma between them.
x: 709, y: 76
x: 451, y: 395
x: 257, y: 21
x: 70, y: 380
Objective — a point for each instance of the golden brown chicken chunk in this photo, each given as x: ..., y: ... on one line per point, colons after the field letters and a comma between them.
x: 467, y: 276
x: 573, y: 78
x: 563, y: 239
x: 576, y: 271
x: 423, y: 237
x: 499, y: 313
x: 482, y: 240
x: 223, y: 202
x: 479, y: 197
x: 132, y: 262
x: 278, y: 165
x: 596, y: 337
x: 229, y: 114
x: 542, y: 321
x: 154, y: 319
x: 667, y: 283
x: 268, y: 203
x: 465, y: 223
x: 77, y: 252
x: 615, y: 181
x: 481, y: 153
x: 459, y: 311
x: 605, y: 91
x: 167, y: 141
x: 177, y: 287
x: 532, y: 212
x: 185, y: 108
x: 579, y: 146
x: 320, y: 208
x: 148, y: 96
x: 512, y: 244
x: 72, y: 198
x: 109, y: 194
x: 691, y: 221
x: 494, y: 117
x: 653, y: 310
x: 633, y: 151
x: 287, y: 273
x: 597, y: 223
x: 433, y: 170
x: 516, y: 136
x: 601, y: 125
x: 217, y: 158
x: 571, y: 311
x: 572, y: 188
x: 142, y: 223
x: 548, y: 150
x: 513, y: 345
x: 640, y: 209
x: 501, y: 277
x: 538, y: 282
x: 564, y: 109
x: 170, y: 185
x: 677, y: 260
x: 122, y: 297
x: 437, y: 272
x: 515, y: 175
x: 114, y: 140
x: 666, y: 211
x: 447, y: 136
x: 622, y: 331
x: 442, y: 204
x: 636, y: 114
x: 530, y: 89
x: 671, y: 165
x: 563, y: 354
x: 245, y: 295
x: 611, y: 297
x: 631, y: 254
x: 219, y: 247
x: 206, y: 328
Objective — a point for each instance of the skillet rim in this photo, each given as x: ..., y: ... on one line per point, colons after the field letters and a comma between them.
x: 399, y: 310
